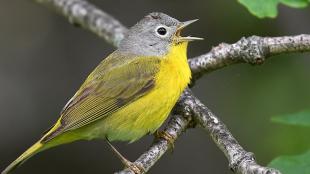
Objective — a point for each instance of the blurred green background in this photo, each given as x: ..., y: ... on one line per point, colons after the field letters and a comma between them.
x: 44, y: 59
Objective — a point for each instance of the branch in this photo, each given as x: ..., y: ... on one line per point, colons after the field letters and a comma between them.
x: 240, y: 161
x: 82, y: 13
x: 253, y: 50
x: 188, y: 107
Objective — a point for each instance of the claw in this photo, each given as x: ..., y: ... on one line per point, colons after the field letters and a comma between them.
x: 137, y: 169
x: 166, y: 136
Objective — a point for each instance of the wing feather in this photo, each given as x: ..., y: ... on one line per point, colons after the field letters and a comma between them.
x: 115, y: 83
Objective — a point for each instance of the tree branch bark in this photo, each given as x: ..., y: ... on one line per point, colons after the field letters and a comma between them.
x: 240, y: 161
x: 253, y: 50
x: 82, y: 13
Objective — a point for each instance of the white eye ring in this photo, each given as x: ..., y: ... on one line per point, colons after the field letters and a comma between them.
x: 161, y: 31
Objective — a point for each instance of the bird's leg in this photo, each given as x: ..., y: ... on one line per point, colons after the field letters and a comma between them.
x: 166, y: 136
x: 132, y: 166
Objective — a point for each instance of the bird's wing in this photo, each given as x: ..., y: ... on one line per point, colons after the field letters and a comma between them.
x: 116, y: 82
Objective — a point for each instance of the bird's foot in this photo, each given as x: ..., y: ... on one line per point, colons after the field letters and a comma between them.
x: 166, y: 136
x: 137, y: 169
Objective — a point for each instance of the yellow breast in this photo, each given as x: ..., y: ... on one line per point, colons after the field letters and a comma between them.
x: 147, y: 114
x: 174, y: 71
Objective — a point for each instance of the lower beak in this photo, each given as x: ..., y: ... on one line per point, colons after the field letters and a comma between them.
x: 188, y: 38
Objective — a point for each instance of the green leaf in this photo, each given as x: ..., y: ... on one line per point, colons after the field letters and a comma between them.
x: 300, y: 118
x: 268, y: 8
x: 295, y: 3
x: 297, y: 164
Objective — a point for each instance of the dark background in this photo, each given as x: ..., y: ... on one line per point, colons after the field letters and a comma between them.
x: 44, y: 59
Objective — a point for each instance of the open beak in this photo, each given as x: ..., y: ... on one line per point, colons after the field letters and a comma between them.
x: 179, y: 38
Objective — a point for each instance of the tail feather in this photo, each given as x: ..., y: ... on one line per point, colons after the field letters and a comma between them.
x: 37, y: 147
x: 49, y: 140
x: 34, y: 149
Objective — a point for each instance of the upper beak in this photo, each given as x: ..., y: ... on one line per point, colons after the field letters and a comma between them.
x: 186, y: 23
x: 181, y: 27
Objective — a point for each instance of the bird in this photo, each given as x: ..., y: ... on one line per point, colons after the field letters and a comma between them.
x: 130, y: 93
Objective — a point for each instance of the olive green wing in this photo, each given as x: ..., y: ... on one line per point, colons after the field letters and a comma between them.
x: 115, y: 83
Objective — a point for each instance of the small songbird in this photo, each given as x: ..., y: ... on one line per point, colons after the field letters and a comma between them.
x: 130, y: 93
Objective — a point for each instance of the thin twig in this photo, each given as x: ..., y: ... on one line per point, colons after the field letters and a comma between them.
x: 253, y: 50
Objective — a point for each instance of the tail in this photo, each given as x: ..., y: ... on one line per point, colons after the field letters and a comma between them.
x: 34, y: 149
x: 37, y: 147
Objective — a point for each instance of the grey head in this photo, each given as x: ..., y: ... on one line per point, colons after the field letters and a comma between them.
x: 153, y: 35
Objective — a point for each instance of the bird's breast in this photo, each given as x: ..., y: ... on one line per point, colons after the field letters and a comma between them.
x: 147, y: 114
x: 174, y: 71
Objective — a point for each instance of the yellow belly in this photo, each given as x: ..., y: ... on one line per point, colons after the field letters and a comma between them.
x: 147, y: 114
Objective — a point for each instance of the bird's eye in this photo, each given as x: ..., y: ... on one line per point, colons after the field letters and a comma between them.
x: 161, y: 31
